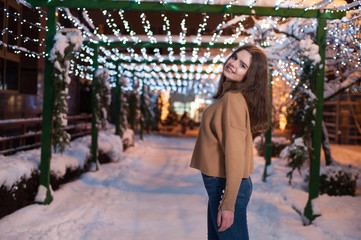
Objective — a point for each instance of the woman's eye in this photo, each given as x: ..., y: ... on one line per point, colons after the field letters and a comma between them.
x: 234, y: 57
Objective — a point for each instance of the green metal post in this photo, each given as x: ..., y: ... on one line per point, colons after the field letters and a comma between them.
x: 117, y: 102
x: 317, y: 131
x: 47, y: 109
x: 142, y: 112
x: 268, y: 141
x: 132, y: 103
x: 94, y: 131
x: 268, y: 152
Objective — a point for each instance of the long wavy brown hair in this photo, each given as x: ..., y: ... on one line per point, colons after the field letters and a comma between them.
x: 254, y: 87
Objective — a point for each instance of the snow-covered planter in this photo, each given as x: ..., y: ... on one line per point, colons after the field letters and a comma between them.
x: 19, y: 173
x: 110, y: 147
x: 337, y: 180
x: 278, y: 144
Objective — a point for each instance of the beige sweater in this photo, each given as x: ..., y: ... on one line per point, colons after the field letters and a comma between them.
x: 224, y: 146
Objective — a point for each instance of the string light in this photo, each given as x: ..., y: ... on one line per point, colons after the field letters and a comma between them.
x: 83, y: 68
x: 146, y: 26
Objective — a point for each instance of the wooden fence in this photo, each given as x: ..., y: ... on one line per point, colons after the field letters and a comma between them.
x: 23, y: 134
x: 342, y: 118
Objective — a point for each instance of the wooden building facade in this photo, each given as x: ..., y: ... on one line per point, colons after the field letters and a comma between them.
x: 22, y: 79
x: 342, y: 118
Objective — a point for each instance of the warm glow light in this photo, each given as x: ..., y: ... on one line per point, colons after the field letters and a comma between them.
x: 283, y: 120
x: 165, y: 104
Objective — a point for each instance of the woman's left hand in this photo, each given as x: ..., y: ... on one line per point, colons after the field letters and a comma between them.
x: 224, y: 219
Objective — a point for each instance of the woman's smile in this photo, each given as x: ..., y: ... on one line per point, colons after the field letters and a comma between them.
x: 230, y: 69
x: 237, y: 65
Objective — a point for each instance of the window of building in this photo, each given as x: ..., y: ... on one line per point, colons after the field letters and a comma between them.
x: 18, y: 73
x: 9, y: 57
x: 181, y: 107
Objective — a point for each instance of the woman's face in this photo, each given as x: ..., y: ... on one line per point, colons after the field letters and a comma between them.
x: 237, y: 65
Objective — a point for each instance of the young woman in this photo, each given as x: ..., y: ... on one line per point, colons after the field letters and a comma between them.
x: 224, y: 147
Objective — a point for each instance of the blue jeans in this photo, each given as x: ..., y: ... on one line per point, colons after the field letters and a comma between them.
x: 238, y: 230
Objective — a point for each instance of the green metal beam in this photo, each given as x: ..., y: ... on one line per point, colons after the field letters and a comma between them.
x: 162, y: 79
x: 46, y: 137
x: 178, y: 62
x: 317, y: 130
x: 120, y: 44
x: 163, y: 71
x: 189, y: 8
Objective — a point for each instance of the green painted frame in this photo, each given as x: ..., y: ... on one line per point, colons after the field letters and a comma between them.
x: 320, y: 14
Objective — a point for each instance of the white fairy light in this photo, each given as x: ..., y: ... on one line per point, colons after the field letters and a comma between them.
x: 183, y: 32
x: 166, y: 28
x: 146, y: 26
x: 127, y: 28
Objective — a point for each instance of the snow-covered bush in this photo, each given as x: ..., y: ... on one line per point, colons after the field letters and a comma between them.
x: 278, y: 144
x: 134, y: 106
x: 123, y: 111
x: 66, y: 42
x: 156, y: 110
x: 300, y: 113
x: 128, y: 138
x: 338, y: 180
x: 146, y: 110
x: 103, y: 97
x: 296, y: 154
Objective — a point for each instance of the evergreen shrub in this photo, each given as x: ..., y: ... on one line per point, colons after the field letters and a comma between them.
x: 278, y: 143
x: 338, y: 180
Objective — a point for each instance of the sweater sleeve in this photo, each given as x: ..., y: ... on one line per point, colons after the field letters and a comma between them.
x: 234, y: 124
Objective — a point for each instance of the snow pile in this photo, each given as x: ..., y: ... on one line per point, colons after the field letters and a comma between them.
x: 277, y: 140
x: 74, y: 157
x: 111, y: 145
x: 24, y: 2
x: 22, y: 164
x: 41, y: 194
x: 310, y: 50
x: 15, y: 167
x: 128, y: 137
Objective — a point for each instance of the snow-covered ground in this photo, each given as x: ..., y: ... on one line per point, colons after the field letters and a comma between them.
x: 151, y: 193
